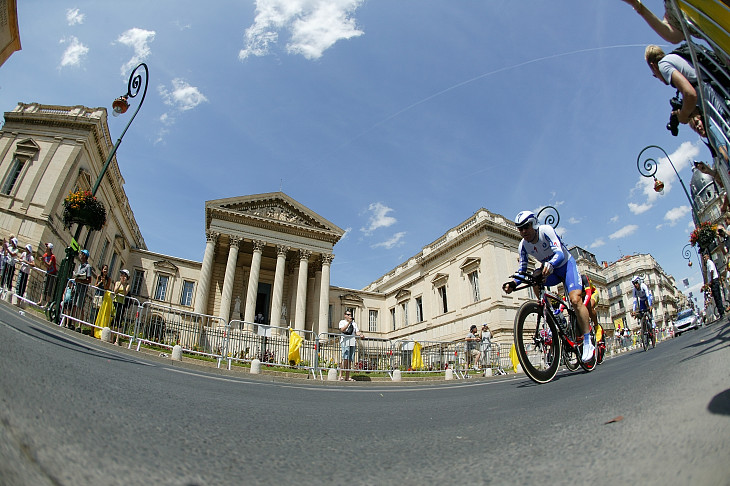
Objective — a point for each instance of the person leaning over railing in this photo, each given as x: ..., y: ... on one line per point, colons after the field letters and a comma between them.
x: 27, y: 261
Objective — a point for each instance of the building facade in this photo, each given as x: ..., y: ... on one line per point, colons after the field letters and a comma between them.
x: 267, y: 257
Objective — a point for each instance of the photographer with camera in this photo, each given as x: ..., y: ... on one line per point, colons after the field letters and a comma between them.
x: 348, y: 328
x: 674, y: 70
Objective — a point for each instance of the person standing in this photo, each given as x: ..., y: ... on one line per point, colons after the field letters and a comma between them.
x: 121, y: 302
x: 10, y: 256
x: 348, y: 341
x: 27, y: 261
x: 49, y: 261
x: 82, y: 279
x: 714, y: 279
x: 472, y: 348
x: 486, y: 346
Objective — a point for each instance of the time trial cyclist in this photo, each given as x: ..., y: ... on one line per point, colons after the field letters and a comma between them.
x: 643, y: 300
x: 558, y: 265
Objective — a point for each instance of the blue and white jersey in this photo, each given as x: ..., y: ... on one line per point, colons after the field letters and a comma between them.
x: 548, y: 248
x: 642, y: 297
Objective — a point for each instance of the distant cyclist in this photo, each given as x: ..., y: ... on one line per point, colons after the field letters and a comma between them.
x: 643, y: 300
x: 558, y: 265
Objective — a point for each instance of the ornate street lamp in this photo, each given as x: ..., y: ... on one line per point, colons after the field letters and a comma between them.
x: 120, y: 105
x: 687, y: 254
x: 648, y: 169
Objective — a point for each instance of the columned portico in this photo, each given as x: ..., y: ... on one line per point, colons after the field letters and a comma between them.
x: 278, y: 236
x: 253, y: 281
x: 201, y: 299
x: 301, y: 310
x: 225, y: 309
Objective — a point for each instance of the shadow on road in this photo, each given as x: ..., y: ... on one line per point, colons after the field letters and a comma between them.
x: 720, y: 403
x: 720, y: 340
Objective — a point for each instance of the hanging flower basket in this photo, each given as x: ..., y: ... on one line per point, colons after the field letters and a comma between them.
x: 704, y: 236
x: 83, y: 208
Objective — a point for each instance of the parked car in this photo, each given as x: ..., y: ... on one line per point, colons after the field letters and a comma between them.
x: 686, y: 319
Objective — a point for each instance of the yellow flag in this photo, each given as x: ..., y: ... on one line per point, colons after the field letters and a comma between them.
x: 416, y: 359
x: 295, y: 342
x: 513, y: 356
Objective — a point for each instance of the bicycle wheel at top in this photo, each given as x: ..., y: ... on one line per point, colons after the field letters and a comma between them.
x: 539, y: 365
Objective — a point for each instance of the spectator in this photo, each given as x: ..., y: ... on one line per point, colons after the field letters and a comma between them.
x: 49, y: 261
x: 486, y: 346
x: 714, y: 279
x: 668, y: 27
x: 349, y: 330
x: 27, y: 261
x: 10, y: 256
x: 102, y: 283
x: 675, y: 71
x: 82, y: 279
x: 472, y: 348
x: 121, y: 302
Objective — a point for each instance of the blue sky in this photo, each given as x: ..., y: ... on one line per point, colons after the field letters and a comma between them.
x: 394, y: 119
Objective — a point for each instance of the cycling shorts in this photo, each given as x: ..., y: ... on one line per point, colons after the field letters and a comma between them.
x: 568, y: 275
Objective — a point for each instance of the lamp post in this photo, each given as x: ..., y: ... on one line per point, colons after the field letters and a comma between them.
x: 687, y: 254
x: 120, y: 105
x: 648, y: 168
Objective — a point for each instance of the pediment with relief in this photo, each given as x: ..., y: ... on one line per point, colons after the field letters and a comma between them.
x: 277, y: 208
x: 165, y: 266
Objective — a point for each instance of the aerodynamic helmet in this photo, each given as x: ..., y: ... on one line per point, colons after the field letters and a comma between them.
x: 524, y: 218
x: 636, y: 279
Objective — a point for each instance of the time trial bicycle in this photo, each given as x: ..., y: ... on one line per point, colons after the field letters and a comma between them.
x: 542, y: 337
x: 647, y: 333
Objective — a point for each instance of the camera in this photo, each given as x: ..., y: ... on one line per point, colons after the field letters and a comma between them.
x: 673, y: 125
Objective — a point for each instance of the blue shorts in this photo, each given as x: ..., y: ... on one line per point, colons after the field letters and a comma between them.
x: 348, y: 352
x: 568, y: 275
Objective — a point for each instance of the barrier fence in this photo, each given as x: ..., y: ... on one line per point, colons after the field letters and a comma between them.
x: 91, y: 309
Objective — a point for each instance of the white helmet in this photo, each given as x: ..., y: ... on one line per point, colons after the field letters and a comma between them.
x: 524, y: 218
x: 636, y: 279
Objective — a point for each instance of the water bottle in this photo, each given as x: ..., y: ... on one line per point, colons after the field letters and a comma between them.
x: 562, y: 322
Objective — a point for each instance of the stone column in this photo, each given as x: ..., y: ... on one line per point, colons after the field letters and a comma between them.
x: 225, y: 311
x: 301, y: 309
x: 278, y: 285
x: 324, y: 293
x: 206, y: 270
x: 253, y: 281
x: 292, y: 294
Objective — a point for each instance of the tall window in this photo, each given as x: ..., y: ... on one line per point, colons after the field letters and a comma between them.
x: 161, y: 287
x: 373, y: 321
x: 404, y: 308
x: 13, y: 175
x: 113, y: 262
x: 186, y: 297
x: 442, y: 297
x: 419, y: 309
x: 137, y: 282
x: 392, y: 317
x: 102, y: 255
x: 474, y: 282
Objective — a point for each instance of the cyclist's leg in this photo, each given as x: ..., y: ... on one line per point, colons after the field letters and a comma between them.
x: 574, y: 287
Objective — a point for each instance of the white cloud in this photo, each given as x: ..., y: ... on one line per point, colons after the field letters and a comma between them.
x: 314, y: 25
x: 573, y: 220
x: 74, y: 53
x: 614, y: 219
x: 676, y: 214
x: 379, y: 218
x: 137, y: 39
x: 627, y: 230
x: 183, y: 96
x: 74, y: 16
x: 598, y: 243
x: 396, y: 240
x: 639, y: 208
x: 347, y: 233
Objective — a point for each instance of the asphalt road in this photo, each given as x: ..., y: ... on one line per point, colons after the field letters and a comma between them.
x: 74, y: 411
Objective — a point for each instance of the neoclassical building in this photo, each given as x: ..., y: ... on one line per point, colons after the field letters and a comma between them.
x: 266, y: 256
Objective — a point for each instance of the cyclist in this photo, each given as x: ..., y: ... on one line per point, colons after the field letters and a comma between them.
x: 558, y: 265
x: 642, y: 299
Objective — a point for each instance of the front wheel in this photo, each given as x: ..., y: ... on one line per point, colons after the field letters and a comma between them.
x: 645, y: 332
x: 537, y: 343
